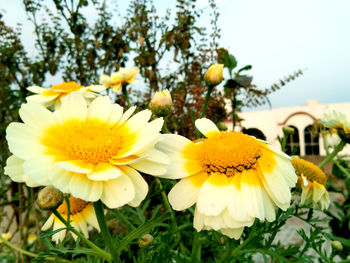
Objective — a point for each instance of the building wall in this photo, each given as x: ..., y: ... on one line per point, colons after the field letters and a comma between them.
x: 271, y: 122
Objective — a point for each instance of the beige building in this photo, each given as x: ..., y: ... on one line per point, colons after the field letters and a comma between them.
x: 301, y: 118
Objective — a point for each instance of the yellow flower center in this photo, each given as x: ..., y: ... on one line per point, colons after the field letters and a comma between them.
x: 309, y: 170
x: 91, y: 141
x: 62, y: 89
x: 229, y: 153
x: 76, y: 206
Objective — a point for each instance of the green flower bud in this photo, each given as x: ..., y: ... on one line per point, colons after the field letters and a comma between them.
x: 49, y: 198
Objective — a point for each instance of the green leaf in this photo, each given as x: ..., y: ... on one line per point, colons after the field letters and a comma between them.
x: 50, y: 233
x: 247, y: 67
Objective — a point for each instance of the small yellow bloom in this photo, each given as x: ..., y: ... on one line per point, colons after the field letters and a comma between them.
x: 31, y: 239
x: 232, y: 178
x: 117, y: 79
x: 53, y: 96
x: 81, y: 214
x: 6, y: 236
x: 213, y: 76
x: 312, y: 181
x: 161, y: 103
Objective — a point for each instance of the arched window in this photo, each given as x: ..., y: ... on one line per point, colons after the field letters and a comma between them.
x: 293, y: 145
x: 255, y: 132
x: 312, y: 146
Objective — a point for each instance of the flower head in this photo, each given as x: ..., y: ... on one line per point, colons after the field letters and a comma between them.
x: 213, y: 76
x: 161, y: 103
x: 333, y: 120
x: 6, y: 236
x: 93, y: 152
x: 117, y: 79
x: 232, y: 178
x: 31, y: 239
x: 81, y: 214
x: 312, y: 181
x: 54, y: 95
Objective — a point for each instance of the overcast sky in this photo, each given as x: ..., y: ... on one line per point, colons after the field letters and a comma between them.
x: 277, y: 37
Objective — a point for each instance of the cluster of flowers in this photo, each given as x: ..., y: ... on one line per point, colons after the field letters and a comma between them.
x: 78, y: 141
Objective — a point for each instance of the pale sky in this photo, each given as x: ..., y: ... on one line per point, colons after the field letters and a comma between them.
x: 277, y: 37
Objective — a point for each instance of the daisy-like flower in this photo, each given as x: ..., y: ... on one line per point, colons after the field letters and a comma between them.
x: 53, y: 95
x: 334, y: 120
x: 312, y: 181
x: 93, y: 152
x: 117, y: 79
x: 232, y: 178
x: 82, y: 213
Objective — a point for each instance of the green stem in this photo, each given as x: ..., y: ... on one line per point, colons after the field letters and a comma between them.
x: 165, y: 128
x: 126, y: 95
x: 99, y: 210
x: 30, y: 254
x: 337, y: 149
x: 101, y: 252
x: 207, y: 97
x: 236, y: 251
x: 196, y: 248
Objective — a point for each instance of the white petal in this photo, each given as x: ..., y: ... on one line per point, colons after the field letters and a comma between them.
x: 15, y: 171
x: 206, y: 127
x: 184, y: 194
x: 36, y: 89
x: 100, y: 108
x: 82, y: 187
x: 38, y: 169
x: 118, y: 192
x: 252, y: 194
x: 146, y: 138
x: 127, y: 115
x: 139, y: 120
x: 117, y: 112
x: 23, y: 141
x: 48, y: 223
x: 198, y: 220
x: 40, y: 99
x: 212, y: 195
x: 235, y: 203
x: 60, y: 178
x: 233, y: 232
x: 36, y: 116
x: 74, y: 107
x: 104, y: 172
x: 170, y: 143
x: 141, y: 186
x: 91, y: 219
x: 75, y: 166
x: 154, y: 163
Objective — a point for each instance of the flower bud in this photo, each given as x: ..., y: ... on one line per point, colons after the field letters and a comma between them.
x: 332, y: 138
x: 146, y: 240
x: 288, y: 130
x: 161, y: 103
x: 336, y: 245
x: 5, y: 236
x: 31, y: 239
x: 49, y: 198
x: 213, y: 76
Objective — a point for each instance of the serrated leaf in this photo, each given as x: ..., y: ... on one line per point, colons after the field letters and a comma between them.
x: 50, y: 233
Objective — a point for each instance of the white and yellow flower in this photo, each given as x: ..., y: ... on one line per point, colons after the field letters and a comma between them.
x: 93, y: 152
x: 332, y: 138
x: 232, y: 178
x: 117, y: 79
x: 82, y: 213
x: 313, y: 184
x: 53, y: 95
x: 334, y: 119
